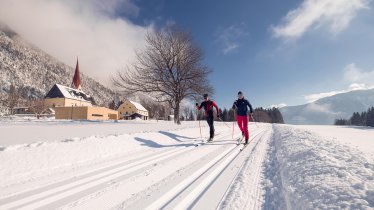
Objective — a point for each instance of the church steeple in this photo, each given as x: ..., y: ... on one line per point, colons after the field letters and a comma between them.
x: 76, y: 78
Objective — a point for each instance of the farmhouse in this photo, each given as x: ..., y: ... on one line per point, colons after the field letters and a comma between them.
x: 129, y: 110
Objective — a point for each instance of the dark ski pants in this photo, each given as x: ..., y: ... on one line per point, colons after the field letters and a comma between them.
x: 209, y: 119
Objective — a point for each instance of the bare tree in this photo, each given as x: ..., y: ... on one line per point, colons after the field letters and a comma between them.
x: 37, y: 106
x: 14, y: 97
x: 169, y: 68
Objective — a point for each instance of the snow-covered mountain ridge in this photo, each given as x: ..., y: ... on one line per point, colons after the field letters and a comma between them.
x: 325, y: 110
x: 25, y: 65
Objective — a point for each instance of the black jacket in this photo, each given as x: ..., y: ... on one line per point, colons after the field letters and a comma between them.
x: 241, y: 106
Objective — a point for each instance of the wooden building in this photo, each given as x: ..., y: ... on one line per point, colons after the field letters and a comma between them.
x: 85, y: 113
x: 129, y: 110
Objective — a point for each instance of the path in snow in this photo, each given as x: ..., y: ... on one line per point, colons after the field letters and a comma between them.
x: 176, y: 176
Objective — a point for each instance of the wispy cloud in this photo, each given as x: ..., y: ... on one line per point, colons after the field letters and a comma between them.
x: 354, y: 74
x: 352, y: 87
x: 335, y: 15
x: 96, y: 31
x: 229, y: 38
x: 358, y: 79
x: 278, y: 105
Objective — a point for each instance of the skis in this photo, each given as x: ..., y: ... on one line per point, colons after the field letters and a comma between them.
x: 203, y: 142
x: 240, y: 139
x: 244, y: 146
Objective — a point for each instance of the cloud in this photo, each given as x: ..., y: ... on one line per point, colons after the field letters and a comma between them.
x: 229, y: 37
x: 358, y: 79
x: 352, y: 73
x: 278, y: 105
x: 97, y: 32
x: 313, y: 107
x: 335, y: 15
x: 352, y: 87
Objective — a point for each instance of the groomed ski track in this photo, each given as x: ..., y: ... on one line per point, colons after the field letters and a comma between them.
x: 210, y: 176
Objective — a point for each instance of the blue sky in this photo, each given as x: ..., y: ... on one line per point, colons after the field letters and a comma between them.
x: 251, y: 45
x: 278, y: 52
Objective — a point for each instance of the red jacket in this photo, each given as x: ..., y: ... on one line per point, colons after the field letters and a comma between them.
x: 208, y: 107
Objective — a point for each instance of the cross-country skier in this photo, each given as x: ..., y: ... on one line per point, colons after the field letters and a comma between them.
x: 241, y: 106
x: 208, y: 107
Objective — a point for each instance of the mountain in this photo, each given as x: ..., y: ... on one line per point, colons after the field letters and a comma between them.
x: 324, y: 111
x: 25, y: 65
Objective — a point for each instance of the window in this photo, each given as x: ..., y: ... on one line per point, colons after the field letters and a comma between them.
x: 97, y: 115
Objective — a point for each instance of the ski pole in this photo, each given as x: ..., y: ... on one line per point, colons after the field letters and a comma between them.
x: 233, y: 126
x: 254, y: 121
x: 224, y: 122
x: 201, y: 135
x: 197, y: 117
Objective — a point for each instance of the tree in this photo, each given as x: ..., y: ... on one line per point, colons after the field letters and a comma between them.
x: 370, y: 117
x: 37, y: 106
x: 341, y: 122
x: 192, y: 115
x: 225, y: 115
x: 14, y: 97
x: 169, y: 68
x: 231, y: 116
x: 356, y: 119
x: 112, y: 105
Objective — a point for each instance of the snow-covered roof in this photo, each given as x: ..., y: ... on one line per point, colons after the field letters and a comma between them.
x: 138, y: 106
x: 68, y: 92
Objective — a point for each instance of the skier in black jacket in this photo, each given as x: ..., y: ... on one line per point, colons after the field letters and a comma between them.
x: 241, y: 106
x: 208, y: 107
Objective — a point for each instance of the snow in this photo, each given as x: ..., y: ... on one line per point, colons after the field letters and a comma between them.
x: 49, y: 164
x: 139, y: 106
x: 305, y: 171
x: 358, y: 137
x: 71, y: 92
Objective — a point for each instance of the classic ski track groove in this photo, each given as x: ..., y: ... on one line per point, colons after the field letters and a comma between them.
x: 53, y: 192
x: 253, y: 199
x: 222, y: 161
x: 194, y: 197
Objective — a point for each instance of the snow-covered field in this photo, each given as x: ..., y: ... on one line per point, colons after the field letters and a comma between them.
x: 49, y: 164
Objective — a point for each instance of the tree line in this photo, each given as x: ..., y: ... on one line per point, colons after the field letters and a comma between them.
x: 272, y: 115
x: 359, y: 119
x: 20, y: 96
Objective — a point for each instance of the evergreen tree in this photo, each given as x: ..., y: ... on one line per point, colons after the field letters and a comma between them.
x: 278, y: 118
x: 370, y: 117
x: 231, y: 115
x: 356, y: 119
x: 225, y: 115
x: 341, y: 122
x: 363, y: 118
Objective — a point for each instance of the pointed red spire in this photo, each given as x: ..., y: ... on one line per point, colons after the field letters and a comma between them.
x: 76, y: 78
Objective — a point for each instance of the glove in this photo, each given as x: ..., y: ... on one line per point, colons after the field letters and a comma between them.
x: 197, y: 104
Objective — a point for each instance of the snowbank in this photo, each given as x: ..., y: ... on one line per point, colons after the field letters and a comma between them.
x: 305, y: 171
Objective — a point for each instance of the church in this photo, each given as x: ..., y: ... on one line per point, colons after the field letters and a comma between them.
x: 73, y: 103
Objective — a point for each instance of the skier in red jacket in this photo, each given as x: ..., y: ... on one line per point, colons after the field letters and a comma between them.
x: 208, y: 107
